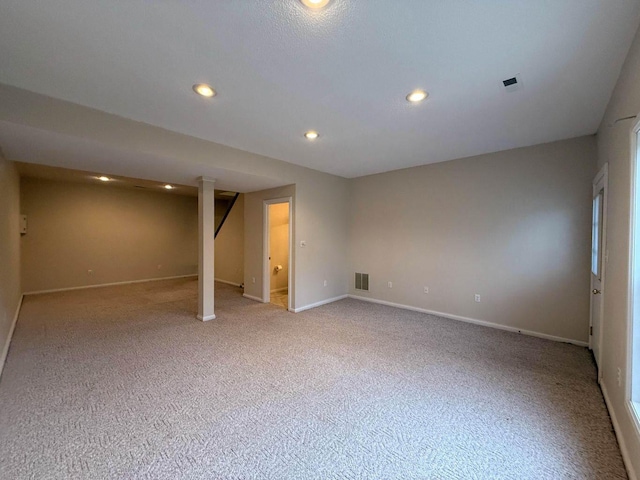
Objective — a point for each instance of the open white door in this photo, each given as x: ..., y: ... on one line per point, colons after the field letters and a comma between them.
x: 598, y: 261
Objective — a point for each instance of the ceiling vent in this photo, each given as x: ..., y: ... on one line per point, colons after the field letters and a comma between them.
x: 512, y: 84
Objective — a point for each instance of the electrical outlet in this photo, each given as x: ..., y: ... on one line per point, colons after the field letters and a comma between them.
x: 253, y: 279
x: 426, y: 289
x: 619, y: 377
x: 325, y: 283
x: 477, y: 298
x: 159, y: 267
x: 89, y: 272
x: 390, y: 284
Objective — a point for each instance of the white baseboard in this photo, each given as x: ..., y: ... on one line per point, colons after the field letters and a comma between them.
x: 473, y: 320
x: 616, y: 428
x: 235, y: 284
x: 5, y: 349
x: 251, y: 297
x: 278, y: 290
x: 206, y: 318
x: 109, y: 284
x: 317, y: 304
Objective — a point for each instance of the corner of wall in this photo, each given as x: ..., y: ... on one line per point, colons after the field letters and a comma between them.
x: 10, y: 281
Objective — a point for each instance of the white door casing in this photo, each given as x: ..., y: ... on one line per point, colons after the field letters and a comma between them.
x: 266, y: 265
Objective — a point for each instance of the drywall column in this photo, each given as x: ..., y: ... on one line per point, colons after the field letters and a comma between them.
x: 206, y: 253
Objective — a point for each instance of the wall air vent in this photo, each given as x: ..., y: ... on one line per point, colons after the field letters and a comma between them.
x: 362, y: 281
x: 512, y: 84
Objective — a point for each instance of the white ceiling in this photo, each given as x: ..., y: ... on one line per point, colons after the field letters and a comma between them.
x: 281, y: 69
x: 34, y: 170
x: 49, y: 149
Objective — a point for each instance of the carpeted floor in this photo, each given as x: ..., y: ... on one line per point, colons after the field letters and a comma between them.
x: 123, y: 382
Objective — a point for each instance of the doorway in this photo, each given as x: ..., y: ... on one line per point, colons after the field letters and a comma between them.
x: 277, y: 250
x: 598, y: 261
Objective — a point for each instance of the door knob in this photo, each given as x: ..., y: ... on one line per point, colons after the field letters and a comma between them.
x: 595, y: 291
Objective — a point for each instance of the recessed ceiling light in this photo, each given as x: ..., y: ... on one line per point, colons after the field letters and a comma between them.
x: 417, y: 96
x: 315, y: 4
x: 104, y: 179
x: 311, y: 135
x: 204, y: 90
x: 169, y: 187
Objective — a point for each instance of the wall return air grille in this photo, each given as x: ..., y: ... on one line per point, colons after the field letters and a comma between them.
x: 362, y: 281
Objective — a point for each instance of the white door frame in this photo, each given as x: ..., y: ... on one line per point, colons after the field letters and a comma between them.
x: 266, y: 268
x: 602, y: 176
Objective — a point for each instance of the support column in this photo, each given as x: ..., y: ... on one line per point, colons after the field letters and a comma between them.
x: 206, y: 257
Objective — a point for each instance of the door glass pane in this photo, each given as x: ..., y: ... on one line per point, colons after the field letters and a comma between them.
x: 596, y: 234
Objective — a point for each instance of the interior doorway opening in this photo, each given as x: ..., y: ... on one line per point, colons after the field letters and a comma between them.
x: 277, y: 264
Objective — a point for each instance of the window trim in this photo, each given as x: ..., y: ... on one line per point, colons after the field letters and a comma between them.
x: 633, y: 407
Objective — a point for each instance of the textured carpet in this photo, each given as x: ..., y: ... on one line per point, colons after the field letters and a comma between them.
x: 123, y: 382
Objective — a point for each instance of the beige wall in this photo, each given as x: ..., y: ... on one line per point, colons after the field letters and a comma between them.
x: 229, y: 248
x: 320, y: 219
x: 279, y: 245
x: 253, y: 240
x: 512, y: 226
x: 320, y: 216
x: 614, y: 149
x: 120, y: 234
x: 10, y: 291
